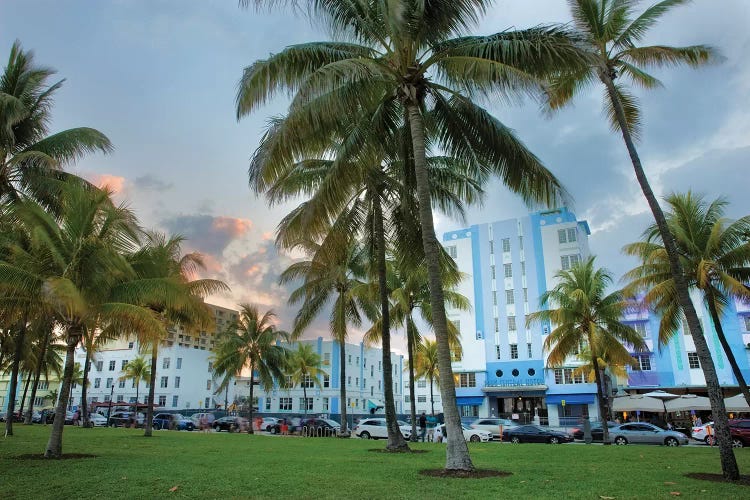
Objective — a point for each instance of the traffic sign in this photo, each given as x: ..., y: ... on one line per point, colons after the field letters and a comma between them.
x: 562, y: 402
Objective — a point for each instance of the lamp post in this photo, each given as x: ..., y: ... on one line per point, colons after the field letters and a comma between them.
x: 111, y: 397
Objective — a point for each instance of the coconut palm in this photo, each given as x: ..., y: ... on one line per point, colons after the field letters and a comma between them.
x: 137, y: 370
x: 46, y: 359
x: 610, y: 31
x: 426, y: 366
x: 409, y: 58
x: 251, y: 345
x: 30, y: 159
x: 715, y: 256
x: 161, y: 259
x: 304, y: 368
x: 329, y: 277
x: 582, y: 313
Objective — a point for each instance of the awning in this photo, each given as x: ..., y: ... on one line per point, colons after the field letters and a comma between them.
x: 638, y: 402
x: 736, y: 403
x: 688, y: 402
x: 372, y: 403
x: 469, y: 401
x: 570, y: 399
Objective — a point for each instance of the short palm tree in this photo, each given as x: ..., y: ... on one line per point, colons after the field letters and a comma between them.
x: 426, y: 366
x: 715, y: 255
x: 251, y: 345
x: 582, y: 313
x: 326, y: 277
x: 137, y: 370
x: 610, y: 31
x: 304, y: 368
x: 47, y: 359
x: 409, y: 58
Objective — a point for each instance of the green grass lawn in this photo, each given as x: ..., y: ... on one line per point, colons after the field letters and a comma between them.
x: 238, y: 465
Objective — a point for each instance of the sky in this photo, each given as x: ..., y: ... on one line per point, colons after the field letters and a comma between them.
x: 159, y: 78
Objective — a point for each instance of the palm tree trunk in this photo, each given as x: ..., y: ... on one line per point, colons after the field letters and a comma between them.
x: 457, y: 452
x: 147, y: 425
x: 250, y: 427
x: 25, y: 393
x: 84, y: 389
x: 37, y: 375
x: 725, y: 345
x: 54, y: 445
x: 137, y: 394
x: 410, y: 338
x: 304, y: 395
x: 342, y: 383
x: 729, y: 466
x: 599, y: 392
x: 396, y: 440
x: 20, y: 339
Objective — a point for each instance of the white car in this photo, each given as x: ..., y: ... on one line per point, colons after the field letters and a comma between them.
x: 473, y: 435
x: 269, y: 423
x: 700, y: 433
x: 375, y: 428
x: 493, y: 425
x: 96, y: 419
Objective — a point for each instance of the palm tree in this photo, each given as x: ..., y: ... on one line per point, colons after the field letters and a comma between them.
x: 328, y: 276
x: 77, y: 267
x: 610, y: 32
x: 137, y: 369
x: 408, y: 58
x: 251, y: 344
x: 304, y: 368
x: 30, y: 159
x: 161, y: 259
x: 715, y: 256
x: 582, y: 315
x: 47, y: 360
x: 426, y: 365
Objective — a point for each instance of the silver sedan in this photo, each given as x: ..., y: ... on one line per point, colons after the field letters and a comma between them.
x: 643, y: 433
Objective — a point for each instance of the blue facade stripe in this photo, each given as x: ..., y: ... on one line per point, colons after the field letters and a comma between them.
x: 469, y: 401
x: 476, y: 263
x: 570, y: 399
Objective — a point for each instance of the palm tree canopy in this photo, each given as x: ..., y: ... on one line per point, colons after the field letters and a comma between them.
x: 425, y: 361
x: 714, y: 252
x: 610, y: 31
x: 305, y: 363
x: 137, y: 369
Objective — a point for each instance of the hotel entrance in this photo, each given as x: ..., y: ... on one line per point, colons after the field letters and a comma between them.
x: 524, y: 409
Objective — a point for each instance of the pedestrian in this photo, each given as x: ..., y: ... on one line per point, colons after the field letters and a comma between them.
x: 698, y: 422
x: 438, y: 434
x: 204, y: 423
x: 423, y: 425
x: 284, y: 427
x: 76, y: 416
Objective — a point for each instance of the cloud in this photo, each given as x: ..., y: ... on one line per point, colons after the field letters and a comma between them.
x: 116, y: 183
x: 151, y: 182
x: 207, y: 233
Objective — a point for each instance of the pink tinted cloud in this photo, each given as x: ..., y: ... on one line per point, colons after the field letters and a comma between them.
x: 114, y: 182
x: 232, y: 226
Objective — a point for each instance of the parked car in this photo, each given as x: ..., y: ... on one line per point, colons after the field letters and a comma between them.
x: 320, y: 427
x: 740, y: 432
x: 96, y: 419
x: 535, y: 434
x: 268, y: 423
x: 473, y: 435
x: 172, y: 421
x: 700, y: 433
x: 597, y: 431
x: 125, y: 419
x: 17, y: 417
x: 196, y: 418
x: 229, y: 424
x: 492, y: 425
x: 375, y: 428
x: 644, y: 433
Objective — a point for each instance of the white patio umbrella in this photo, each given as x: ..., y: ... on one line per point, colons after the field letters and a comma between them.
x: 661, y: 394
x: 688, y: 402
x: 638, y: 402
x: 736, y: 403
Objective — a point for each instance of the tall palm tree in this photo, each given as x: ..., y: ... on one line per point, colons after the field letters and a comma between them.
x: 582, y: 313
x: 715, y: 256
x: 610, y: 31
x: 251, y: 345
x: 77, y: 267
x: 409, y: 57
x: 47, y: 360
x: 137, y: 369
x: 304, y: 368
x: 30, y: 159
x: 426, y: 365
x: 331, y: 277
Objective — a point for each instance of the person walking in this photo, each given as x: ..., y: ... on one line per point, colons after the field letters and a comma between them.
x: 438, y: 434
x: 422, y: 426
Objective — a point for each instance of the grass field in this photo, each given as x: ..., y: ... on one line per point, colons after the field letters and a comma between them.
x: 195, y: 465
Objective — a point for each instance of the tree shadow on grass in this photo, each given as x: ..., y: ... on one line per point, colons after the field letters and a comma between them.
x: 718, y: 478
x: 463, y: 474
x: 406, y: 451
x: 66, y: 456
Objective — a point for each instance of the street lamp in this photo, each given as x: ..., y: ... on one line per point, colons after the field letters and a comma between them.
x: 111, y: 397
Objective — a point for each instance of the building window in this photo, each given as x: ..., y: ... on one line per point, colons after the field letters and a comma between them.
x: 112, y: 365
x: 179, y: 363
x: 523, y: 268
x: 568, y: 261
x: 306, y: 404
x: 567, y: 235
x: 421, y: 398
x: 497, y: 325
x: 326, y: 381
x: 452, y: 251
x: 693, y: 360
x: 514, y: 351
x: 164, y: 382
x: 511, y: 323
x: 529, y: 351
x: 39, y: 401
x: 177, y: 382
x: 208, y: 385
x: 268, y: 404
x: 121, y: 383
x: 457, y: 324
x: 207, y: 402
x: 492, y: 272
x: 124, y: 363
x: 97, y: 383
x: 469, y: 411
x: 308, y: 382
x: 349, y: 380
x: 407, y: 398
x: 467, y: 380
x: 350, y: 359
x: 326, y: 358
x: 525, y: 294
x: 455, y: 356
x: 520, y: 242
x: 109, y: 383
x: 130, y: 345
x: 43, y: 386
x: 175, y: 400
x: 566, y: 376
x: 492, y: 247
x: 508, y: 270
x: 494, y: 298
x: 120, y: 398
x: 288, y: 384
x: 506, y: 244
x: 165, y: 363
x: 510, y: 297
x: 643, y: 362
x: 421, y: 384
x: 497, y: 351
x: 325, y: 404
x: 210, y: 366
x: 641, y: 329
x: 107, y: 398
x: 162, y: 400
x: 746, y: 320
x: 133, y: 384
x: 99, y: 365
